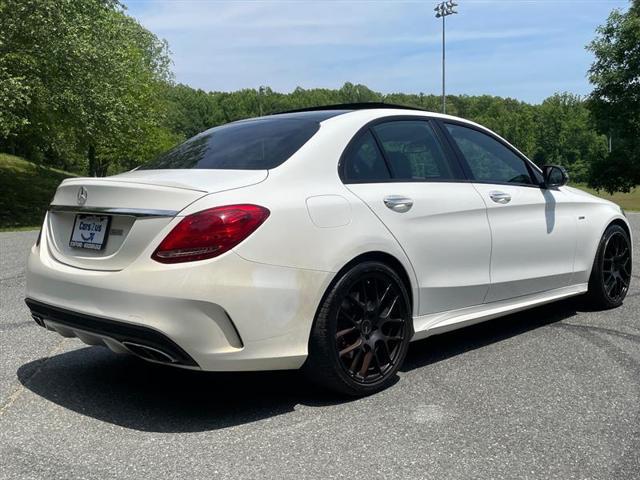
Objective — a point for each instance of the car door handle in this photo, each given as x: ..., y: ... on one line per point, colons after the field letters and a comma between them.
x: 500, y: 197
x: 398, y: 203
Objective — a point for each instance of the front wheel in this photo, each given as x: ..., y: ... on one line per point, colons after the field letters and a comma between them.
x: 611, y: 272
x: 361, y: 332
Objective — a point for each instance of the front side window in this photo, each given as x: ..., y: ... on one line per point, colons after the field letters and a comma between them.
x: 259, y: 144
x: 488, y: 159
x: 364, y: 162
x: 414, y: 152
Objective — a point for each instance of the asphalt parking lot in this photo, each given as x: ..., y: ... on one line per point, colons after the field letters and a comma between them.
x: 549, y: 393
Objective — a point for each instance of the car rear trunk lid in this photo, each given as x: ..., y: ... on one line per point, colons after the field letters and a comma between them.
x: 138, y: 205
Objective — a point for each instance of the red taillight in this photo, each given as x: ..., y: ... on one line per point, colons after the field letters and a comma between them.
x: 209, y: 233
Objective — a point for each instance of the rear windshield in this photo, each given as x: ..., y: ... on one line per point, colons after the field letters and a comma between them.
x: 247, y: 145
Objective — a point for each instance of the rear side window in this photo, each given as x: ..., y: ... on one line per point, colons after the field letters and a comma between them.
x: 364, y: 162
x: 259, y: 144
x: 488, y: 159
x: 414, y: 152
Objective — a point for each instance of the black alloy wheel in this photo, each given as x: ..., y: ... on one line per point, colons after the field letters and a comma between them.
x: 371, y: 327
x: 611, y: 274
x: 616, y: 270
x: 362, y: 331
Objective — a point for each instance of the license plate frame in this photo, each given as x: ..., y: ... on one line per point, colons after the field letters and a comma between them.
x: 93, y: 242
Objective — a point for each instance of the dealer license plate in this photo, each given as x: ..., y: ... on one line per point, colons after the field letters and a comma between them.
x: 90, y: 231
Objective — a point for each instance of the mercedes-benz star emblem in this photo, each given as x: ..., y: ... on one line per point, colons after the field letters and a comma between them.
x: 82, y: 196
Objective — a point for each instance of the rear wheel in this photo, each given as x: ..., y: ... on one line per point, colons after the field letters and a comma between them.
x: 362, y: 331
x: 611, y: 272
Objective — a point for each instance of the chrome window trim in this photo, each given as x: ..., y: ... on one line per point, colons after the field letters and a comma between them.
x: 131, y: 212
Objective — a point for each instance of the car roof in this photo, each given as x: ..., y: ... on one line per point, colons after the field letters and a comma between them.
x: 346, y: 107
x: 325, y: 112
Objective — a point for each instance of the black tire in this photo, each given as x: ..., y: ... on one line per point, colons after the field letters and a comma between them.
x: 611, y: 272
x: 365, y: 317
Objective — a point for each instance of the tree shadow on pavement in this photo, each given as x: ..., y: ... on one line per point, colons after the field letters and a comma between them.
x: 132, y: 393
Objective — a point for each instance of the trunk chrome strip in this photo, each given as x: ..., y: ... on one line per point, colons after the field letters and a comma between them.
x: 131, y: 212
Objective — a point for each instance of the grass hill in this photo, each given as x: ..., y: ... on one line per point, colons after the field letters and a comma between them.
x: 629, y: 201
x: 26, y: 189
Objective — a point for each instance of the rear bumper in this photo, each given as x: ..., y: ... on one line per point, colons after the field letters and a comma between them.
x: 223, y: 314
x: 120, y: 337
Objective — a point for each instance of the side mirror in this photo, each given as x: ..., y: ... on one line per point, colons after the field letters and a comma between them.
x: 554, y: 176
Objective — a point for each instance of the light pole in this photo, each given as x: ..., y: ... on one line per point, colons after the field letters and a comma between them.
x: 261, y: 91
x: 443, y: 10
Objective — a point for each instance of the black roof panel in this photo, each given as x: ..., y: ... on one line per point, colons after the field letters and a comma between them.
x: 317, y: 115
x: 346, y: 107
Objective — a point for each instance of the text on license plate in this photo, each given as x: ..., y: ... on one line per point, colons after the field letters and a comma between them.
x: 90, y: 231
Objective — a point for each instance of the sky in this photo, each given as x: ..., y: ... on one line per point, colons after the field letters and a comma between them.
x: 524, y: 49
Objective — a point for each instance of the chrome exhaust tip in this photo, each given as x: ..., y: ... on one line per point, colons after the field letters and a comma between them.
x: 149, y: 353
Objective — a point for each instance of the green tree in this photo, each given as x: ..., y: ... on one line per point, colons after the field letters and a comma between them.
x: 615, y: 100
x: 191, y: 111
x: 510, y: 118
x: 565, y: 135
x: 14, y: 98
x: 90, y: 80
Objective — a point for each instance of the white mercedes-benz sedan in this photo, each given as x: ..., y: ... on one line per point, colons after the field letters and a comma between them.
x: 325, y: 239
